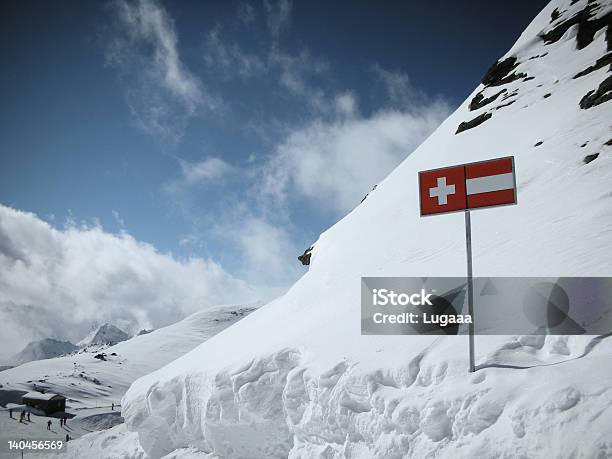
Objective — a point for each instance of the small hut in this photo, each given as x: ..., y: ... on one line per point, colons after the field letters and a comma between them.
x: 48, y: 403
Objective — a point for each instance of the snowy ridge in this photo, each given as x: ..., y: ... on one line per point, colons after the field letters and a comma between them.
x: 297, y: 379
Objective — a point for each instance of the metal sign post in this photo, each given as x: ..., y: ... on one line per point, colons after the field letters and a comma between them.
x: 470, y: 287
x: 463, y: 187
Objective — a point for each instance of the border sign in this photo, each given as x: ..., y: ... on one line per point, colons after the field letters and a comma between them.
x: 464, y: 187
x: 468, y: 186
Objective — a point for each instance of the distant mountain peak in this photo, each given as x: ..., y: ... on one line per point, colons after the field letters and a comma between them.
x: 105, y: 334
x: 43, y: 349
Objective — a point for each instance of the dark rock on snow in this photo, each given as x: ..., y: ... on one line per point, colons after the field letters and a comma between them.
x: 473, y: 123
x: 587, y: 27
x: 555, y: 15
x: 537, y: 56
x: 368, y: 194
x: 606, y: 59
x: 505, y: 105
x: 499, y: 73
x: 305, y: 257
x: 480, y: 101
x: 589, y: 158
x: 602, y: 94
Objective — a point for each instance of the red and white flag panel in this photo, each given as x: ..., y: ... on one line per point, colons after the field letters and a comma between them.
x: 468, y: 186
x: 490, y: 183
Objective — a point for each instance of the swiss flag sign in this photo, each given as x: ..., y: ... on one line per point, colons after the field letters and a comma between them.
x: 468, y: 186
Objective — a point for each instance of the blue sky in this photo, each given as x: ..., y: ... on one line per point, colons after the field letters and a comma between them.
x: 231, y: 132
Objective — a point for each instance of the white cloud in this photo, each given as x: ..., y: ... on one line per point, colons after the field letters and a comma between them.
x: 207, y: 170
x: 297, y: 73
x: 230, y: 59
x: 246, y: 13
x: 162, y: 93
x: 57, y: 283
x: 120, y: 222
x: 266, y: 244
x: 346, y: 104
x: 263, y: 243
x: 399, y: 90
x: 278, y: 16
x: 199, y: 173
x: 336, y: 163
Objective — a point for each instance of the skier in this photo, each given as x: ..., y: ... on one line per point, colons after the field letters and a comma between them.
x: 21, y: 416
x: 29, y: 416
x: 112, y: 407
x: 11, y: 413
x: 67, y: 438
x: 49, y: 424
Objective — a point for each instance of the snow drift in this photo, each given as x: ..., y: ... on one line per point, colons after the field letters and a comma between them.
x: 297, y: 379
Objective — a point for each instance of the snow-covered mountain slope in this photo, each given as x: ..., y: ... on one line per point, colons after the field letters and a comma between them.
x: 43, y: 349
x: 88, y: 381
x: 105, y: 334
x: 297, y: 379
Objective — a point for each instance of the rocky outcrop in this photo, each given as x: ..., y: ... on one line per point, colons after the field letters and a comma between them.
x: 473, y: 123
x: 587, y: 27
x: 305, y: 257
x: 595, y: 97
x: 480, y: 100
x: 606, y: 59
x: 499, y: 73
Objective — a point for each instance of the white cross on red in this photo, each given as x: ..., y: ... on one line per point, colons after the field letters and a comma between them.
x: 442, y: 191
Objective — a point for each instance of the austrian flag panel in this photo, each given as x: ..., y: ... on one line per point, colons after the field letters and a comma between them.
x: 468, y: 186
x: 490, y: 183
